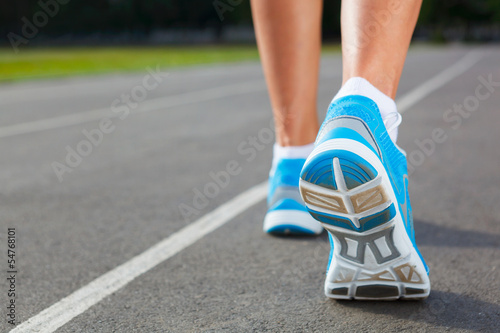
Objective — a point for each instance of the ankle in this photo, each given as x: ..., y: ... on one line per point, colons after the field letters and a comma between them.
x: 296, y: 136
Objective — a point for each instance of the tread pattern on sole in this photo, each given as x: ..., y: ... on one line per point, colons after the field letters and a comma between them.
x: 367, y: 263
x: 381, y: 244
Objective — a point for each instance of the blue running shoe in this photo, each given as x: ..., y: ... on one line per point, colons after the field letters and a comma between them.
x: 355, y: 183
x: 287, y: 213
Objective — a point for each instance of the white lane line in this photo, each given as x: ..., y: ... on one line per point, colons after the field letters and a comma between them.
x: 155, y: 104
x: 77, y: 86
x: 162, y: 103
x: 423, y: 90
x: 78, y: 302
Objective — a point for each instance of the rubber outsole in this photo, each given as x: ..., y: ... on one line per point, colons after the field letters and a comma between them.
x: 346, y: 188
x: 291, y: 222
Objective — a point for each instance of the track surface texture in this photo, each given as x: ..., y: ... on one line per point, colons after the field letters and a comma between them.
x: 128, y: 194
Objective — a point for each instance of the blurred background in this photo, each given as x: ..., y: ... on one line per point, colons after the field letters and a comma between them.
x: 39, y: 36
x: 96, y: 169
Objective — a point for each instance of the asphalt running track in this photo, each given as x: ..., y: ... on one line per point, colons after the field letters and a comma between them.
x: 114, y: 234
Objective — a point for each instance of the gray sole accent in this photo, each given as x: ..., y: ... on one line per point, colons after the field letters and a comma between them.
x: 414, y: 291
x: 353, y: 123
x: 340, y: 291
x: 377, y: 291
x: 367, y: 240
x: 286, y: 192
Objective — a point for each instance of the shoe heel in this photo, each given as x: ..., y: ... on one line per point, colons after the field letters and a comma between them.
x: 372, y: 257
x: 342, y: 189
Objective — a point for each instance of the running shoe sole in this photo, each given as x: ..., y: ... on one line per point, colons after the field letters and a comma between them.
x: 291, y: 222
x: 347, y: 189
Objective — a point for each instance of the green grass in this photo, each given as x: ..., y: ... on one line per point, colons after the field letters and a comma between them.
x: 34, y: 63
x: 54, y: 62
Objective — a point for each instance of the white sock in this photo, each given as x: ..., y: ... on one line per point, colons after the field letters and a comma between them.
x: 386, y: 105
x: 280, y: 152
